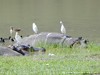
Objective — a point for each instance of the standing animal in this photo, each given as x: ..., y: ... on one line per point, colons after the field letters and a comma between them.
x: 63, y: 30
x: 12, y: 30
x: 35, y: 28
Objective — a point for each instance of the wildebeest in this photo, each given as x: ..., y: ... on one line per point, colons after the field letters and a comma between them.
x: 45, y: 38
x: 22, y: 49
x: 17, y: 49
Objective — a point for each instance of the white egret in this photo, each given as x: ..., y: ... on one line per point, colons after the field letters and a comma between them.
x: 11, y: 30
x: 35, y: 29
x: 63, y: 30
x: 17, y: 38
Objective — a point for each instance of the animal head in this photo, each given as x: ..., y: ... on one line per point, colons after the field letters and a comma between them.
x: 84, y: 43
x: 76, y: 41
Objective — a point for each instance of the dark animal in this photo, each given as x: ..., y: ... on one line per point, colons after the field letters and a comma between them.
x: 12, y: 39
x: 32, y: 49
x: 2, y: 40
x: 17, y: 49
x: 45, y: 38
x: 22, y: 49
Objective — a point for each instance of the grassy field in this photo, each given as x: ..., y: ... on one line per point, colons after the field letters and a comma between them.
x: 65, y: 61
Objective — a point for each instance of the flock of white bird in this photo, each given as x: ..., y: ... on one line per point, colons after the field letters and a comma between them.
x: 35, y: 30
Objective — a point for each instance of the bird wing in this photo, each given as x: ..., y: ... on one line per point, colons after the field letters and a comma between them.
x: 63, y: 30
x: 18, y: 38
x: 35, y: 29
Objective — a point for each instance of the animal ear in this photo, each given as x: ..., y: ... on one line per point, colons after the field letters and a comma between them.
x: 80, y: 38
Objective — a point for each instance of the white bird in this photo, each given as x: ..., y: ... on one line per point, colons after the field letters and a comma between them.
x: 35, y: 29
x: 17, y: 38
x: 63, y: 30
x: 11, y: 30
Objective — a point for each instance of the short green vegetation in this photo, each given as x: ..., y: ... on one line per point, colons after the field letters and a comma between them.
x: 56, y: 61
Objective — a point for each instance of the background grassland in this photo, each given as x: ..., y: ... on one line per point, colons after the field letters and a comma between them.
x: 65, y: 61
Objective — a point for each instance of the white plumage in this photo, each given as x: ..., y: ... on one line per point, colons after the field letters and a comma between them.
x: 11, y: 30
x: 35, y: 29
x: 63, y: 30
x: 17, y: 38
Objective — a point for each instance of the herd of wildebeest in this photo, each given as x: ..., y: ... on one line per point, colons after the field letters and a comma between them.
x: 37, y: 42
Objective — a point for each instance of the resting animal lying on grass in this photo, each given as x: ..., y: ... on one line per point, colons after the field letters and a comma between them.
x: 45, y: 38
x: 23, y: 49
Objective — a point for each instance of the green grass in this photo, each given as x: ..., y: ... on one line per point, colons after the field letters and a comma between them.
x: 66, y: 61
